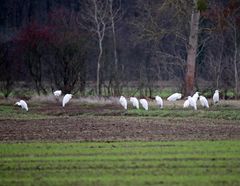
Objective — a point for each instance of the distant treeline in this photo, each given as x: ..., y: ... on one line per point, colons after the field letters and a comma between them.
x: 65, y: 44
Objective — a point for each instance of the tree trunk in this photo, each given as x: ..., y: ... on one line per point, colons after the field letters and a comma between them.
x: 99, y: 67
x: 83, y: 77
x: 235, y: 74
x: 218, y: 75
x: 116, y: 74
x: 192, y: 51
x: 235, y: 63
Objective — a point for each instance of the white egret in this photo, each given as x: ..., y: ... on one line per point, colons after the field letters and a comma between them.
x: 144, y: 103
x: 195, y: 96
x: 159, y: 101
x: 66, y: 99
x: 192, y: 102
x: 204, y: 101
x: 57, y: 93
x: 134, y: 102
x: 186, y: 104
x: 174, y: 97
x: 23, y: 104
x: 216, y: 97
x: 123, y: 102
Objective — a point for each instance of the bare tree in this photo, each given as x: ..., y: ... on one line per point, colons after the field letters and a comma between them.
x: 94, y: 18
x: 159, y: 22
x: 213, y: 65
x: 114, y: 17
x: 69, y: 48
x: 33, y: 44
x: 224, y: 34
x: 232, y: 21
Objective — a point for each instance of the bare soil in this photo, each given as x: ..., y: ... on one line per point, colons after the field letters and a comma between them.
x: 109, y: 123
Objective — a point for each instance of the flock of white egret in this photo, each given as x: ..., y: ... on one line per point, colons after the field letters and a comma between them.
x: 56, y: 93
x: 190, y: 102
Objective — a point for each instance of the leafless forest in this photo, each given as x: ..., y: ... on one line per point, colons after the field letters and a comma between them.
x: 100, y: 47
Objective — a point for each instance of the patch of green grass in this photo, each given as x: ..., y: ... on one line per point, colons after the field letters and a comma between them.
x: 12, y: 112
x: 164, y: 93
x: 213, y: 113
x: 121, y: 163
x: 230, y: 93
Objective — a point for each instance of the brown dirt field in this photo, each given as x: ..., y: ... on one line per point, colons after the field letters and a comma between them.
x: 74, y: 124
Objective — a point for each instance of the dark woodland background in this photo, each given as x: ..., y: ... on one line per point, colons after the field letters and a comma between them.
x: 91, y: 47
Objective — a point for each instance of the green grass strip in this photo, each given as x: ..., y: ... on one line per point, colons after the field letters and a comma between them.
x: 120, y: 163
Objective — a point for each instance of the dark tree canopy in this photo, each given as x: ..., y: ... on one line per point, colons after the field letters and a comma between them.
x: 61, y: 44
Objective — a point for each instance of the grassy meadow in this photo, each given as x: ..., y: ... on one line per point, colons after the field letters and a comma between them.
x: 121, y: 163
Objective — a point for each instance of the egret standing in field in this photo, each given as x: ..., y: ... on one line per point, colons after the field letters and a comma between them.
x: 216, y: 97
x: 174, y: 97
x: 195, y: 96
x: 144, y: 103
x: 123, y: 102
x: 159, y: 101
x: 192, y: 102
x: 186, y: 104
x: 23, y: 104
x: 134, y: 102
x: 66, y: 99
x: 57, y: 93
x: 204, y: 101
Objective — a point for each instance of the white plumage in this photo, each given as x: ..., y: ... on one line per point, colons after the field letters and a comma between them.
x: 123, y: 102
x: 216, y: 97
x: 204, y: 101
x: 159, y: 101
x: 196, y: 96
x: 134, y: 102
x: 66, y: 99
x: 186, y: 104
x: 144, y: 103
x: 57, y: 93
x: 174, y: 97
x: 192, y: 102
x: 23, y: 104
